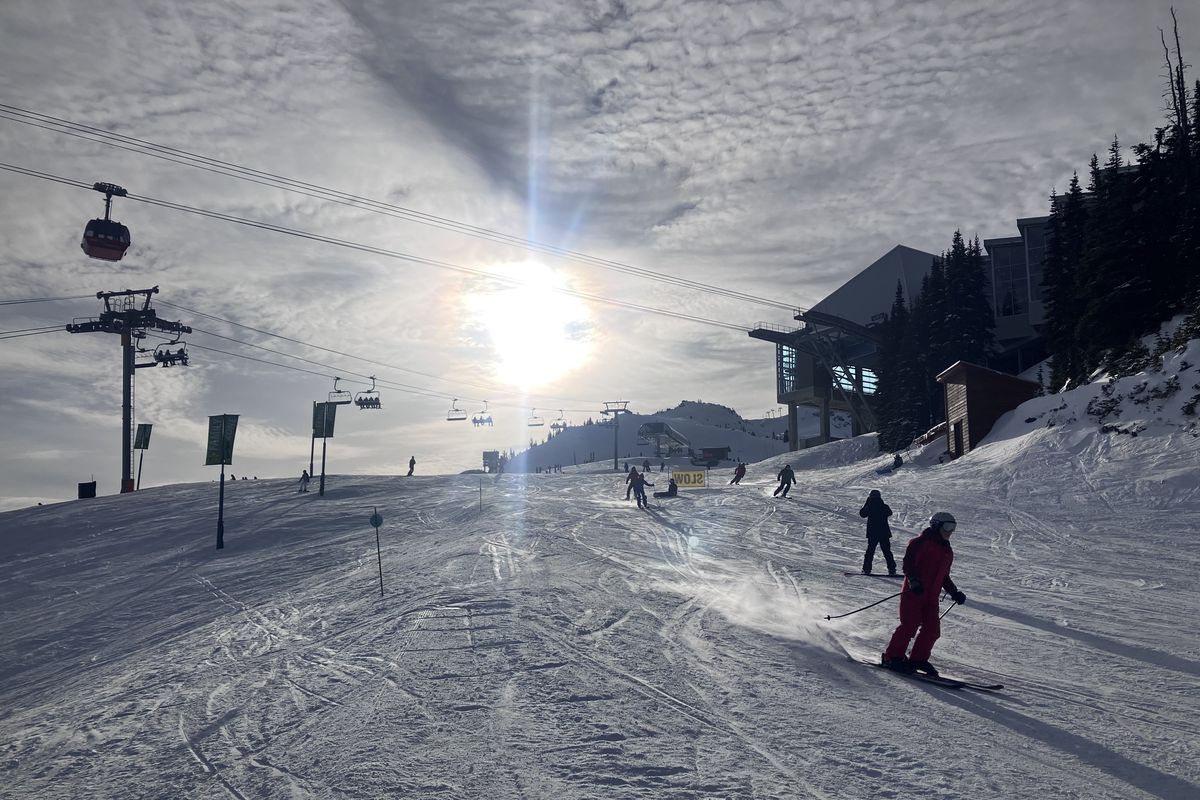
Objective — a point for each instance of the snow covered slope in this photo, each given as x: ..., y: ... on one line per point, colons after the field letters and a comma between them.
x: 704, y: 424
x: 541, y: 638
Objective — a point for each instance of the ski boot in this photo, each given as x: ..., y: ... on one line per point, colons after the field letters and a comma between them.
x: 899, y: 663
x: 923, y: 667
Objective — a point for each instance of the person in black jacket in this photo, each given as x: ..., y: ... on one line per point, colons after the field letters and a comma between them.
x: 672, y: 490
x: 878, y: 531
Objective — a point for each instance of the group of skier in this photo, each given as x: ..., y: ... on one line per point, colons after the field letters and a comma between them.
x: 926, y: 568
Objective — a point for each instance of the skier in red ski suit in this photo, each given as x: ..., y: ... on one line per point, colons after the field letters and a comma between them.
x: 927, y: 561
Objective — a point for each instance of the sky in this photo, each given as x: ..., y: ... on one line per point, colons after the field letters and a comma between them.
x: 538, y: 636
x: 774, y: 149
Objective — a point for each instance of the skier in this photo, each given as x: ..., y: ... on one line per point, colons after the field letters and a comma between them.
x: 927, y: 561
x: 786, y: 479
x: 646, y: 466
x: 739, y: 473
x: 878, y: 531
x: 629, y: 481
x: 304, y: 481
x: 639, y: 489
x: 672, y: 490
x: 412, y: 464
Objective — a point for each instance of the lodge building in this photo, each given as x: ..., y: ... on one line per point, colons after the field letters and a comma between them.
x: 831, y: 359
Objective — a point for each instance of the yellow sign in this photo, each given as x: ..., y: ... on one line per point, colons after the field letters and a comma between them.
x: 689, y: 479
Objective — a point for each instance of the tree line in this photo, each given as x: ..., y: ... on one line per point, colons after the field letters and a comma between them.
x: 1122, y: 256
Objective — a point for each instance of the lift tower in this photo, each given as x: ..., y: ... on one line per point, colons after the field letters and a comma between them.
x: 130, y: 319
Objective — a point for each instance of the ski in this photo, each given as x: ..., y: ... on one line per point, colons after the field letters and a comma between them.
x: 940, y: 680
x: 898, y: 576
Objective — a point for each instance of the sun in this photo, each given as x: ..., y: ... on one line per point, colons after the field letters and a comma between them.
x: 537, y: 334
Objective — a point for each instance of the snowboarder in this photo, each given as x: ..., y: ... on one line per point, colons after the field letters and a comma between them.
x: 739, y: 473
x: 639, y: 488
x: 304, y: 481
x: 672, y: 490
x: 786, y: 479
x: 878, y: 531
x: 927, y: 561
x: 629, y: 481
x: 412, y: 464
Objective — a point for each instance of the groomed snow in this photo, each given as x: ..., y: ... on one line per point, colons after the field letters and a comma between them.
x: 540, y: 637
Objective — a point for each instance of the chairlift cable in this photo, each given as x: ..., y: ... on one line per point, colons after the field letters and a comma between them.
x: 217, y: 166
x: 47, y: 299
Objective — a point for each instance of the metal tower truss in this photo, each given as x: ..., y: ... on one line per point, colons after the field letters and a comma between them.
x: 131, y: 319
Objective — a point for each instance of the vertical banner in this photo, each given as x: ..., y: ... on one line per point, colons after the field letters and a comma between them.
x: 141, y: 440
x: 323, y: 417
x: 221, y: 430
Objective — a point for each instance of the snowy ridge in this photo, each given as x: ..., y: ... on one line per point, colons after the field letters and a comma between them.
x: 540, y: 637
x: 704, y: 424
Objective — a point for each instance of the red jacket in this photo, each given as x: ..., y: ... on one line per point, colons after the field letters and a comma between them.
x: 927, y: 559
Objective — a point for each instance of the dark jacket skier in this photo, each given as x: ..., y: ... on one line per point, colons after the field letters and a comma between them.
x: 412, y: 463
x: 878, y: 531
x: 927, y: 561
x: 304, y: 481
x: 639, y: 488
x: 672, y: 490
x: 629, y: 481
x: 786, y: 479
x: 739, y: 473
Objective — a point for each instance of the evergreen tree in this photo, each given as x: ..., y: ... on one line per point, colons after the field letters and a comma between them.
x: 1065, y: 243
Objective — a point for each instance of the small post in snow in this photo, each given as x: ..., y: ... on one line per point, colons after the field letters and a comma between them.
x: 481, y: 494
x: 377, y: 520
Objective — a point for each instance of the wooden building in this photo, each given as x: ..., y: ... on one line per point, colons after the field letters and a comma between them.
x: 975, y: 398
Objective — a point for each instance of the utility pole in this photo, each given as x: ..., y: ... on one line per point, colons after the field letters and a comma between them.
x: 616, y: 408
x: 130, y: 319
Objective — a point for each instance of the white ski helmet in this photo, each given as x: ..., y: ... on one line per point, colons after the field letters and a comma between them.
x: 941, y: 517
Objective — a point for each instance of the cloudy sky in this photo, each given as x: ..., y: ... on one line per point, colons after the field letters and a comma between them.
x: 770, y: 148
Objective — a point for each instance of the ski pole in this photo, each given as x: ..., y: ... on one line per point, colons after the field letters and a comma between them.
x: 947, y: 611
x: 864, y: 608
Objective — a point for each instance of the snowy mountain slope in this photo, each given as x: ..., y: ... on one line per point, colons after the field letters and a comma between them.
x: 540, y: 637
x: 704, y: 424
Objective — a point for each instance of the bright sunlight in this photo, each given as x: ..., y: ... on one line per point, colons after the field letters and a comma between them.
x: 537, y: 333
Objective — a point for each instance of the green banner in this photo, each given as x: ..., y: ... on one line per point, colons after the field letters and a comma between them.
x: 141, y: 440
x: 221, y: 430
x: 323, y: 417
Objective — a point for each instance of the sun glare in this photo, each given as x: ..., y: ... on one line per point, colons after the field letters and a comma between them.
x: 537, y: 333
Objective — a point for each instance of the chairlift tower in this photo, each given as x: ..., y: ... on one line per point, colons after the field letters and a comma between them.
x: 616, y: 408
x: 131, y: 319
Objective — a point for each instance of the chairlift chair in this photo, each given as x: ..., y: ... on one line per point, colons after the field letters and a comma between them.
x: 534, y: 420
x: 483, y: 417
x: 368, y: 400
x: 339, y: 397
x: 166, y: 357
x: 559, y: 424
x: 455, y: 414
x: 106, y: 239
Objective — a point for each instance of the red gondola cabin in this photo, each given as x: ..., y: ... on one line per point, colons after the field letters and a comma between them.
x: 106, y: 238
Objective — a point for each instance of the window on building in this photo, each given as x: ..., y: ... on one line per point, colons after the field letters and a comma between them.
x: 845, y: 379
x: 1035, y: 255
x: 1010, y: 282
x: 785, y: 369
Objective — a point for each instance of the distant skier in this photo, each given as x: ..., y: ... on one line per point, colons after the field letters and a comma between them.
x: 646, y: 466
x: 639, y: 488
x: 738, y: 473
x: 672, y: 490
x: 304, y: 479
x: 412, y: 464
x: 927, y: 561
x: 629, y: 476
x: 878, y: 531
x: 786, y: 479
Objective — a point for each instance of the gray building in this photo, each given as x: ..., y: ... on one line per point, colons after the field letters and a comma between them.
x: 830, y: 361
